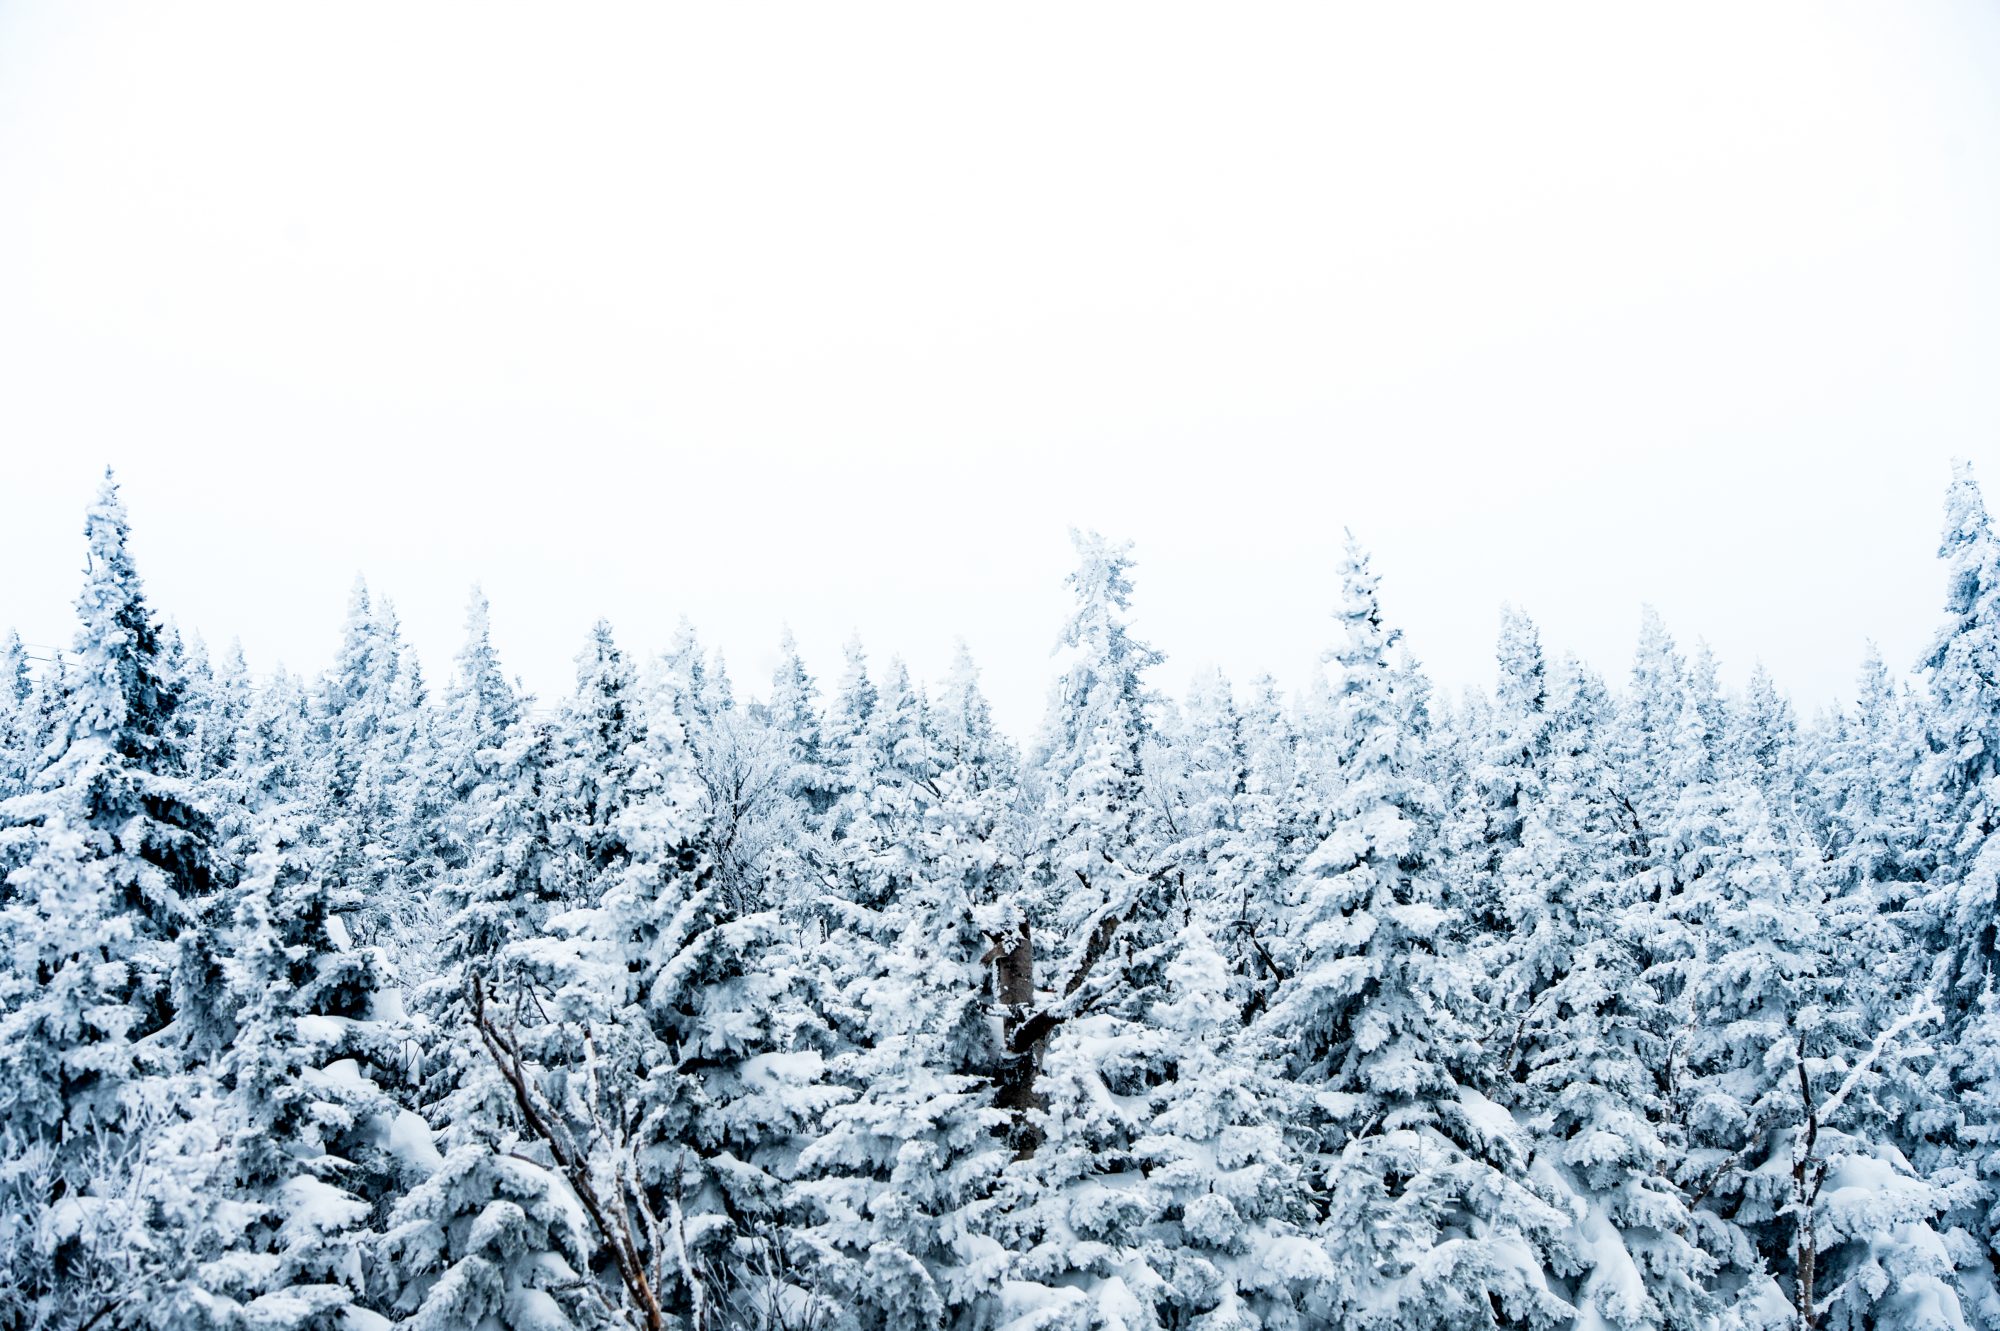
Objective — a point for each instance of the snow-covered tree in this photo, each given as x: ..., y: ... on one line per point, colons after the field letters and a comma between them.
x: 656, y: 1040
x: 1556, y: 1006
x: 112, y: 862
x: 1867, y: 783
x: 478, y: 716
x: 1649, y: 719
x: 1426, y: 1210
x: 794, y: 714
x: 600, y: 733
x: 1764, y: 743
x: 19, y: 730
x: 896, y: 1185
x: 1961, y: 777
x: 492, y: 1236
x: 317, y: 1148
x: 372, y: 770
x: 1095, y: 826
x: 1585, y: 1038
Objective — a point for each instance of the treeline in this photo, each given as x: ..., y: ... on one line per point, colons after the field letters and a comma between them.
x: 349, y: 1002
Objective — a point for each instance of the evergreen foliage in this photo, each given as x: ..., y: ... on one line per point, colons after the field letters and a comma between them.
x: 343, y: 1002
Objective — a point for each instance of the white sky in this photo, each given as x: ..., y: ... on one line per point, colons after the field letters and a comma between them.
x: 840, y: 315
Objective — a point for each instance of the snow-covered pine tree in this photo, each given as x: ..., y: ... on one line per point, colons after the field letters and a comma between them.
x: 1644, y: 739
x: 1276, y: 816
x: 371, y: 770
x: 1875, y: 834
x: 1228, y: 1218
x: 493, y: 1236
x: 1772, y: 1030
x: 18, y: 728
x: 1585, y: 1038
x: 849, y: 755
x: 272, y: 762
x: 1960, y: 1155
x: 670, y: 1070
x: 1426, y: 1210
x: 423, y: 839
x: 1098, y: 929
x: 1702, y: 868
x: 1953, y: 917
x: 1213, y: 1231
x: 1517, y: 752
x: 234, y: 691
x: 16, y: 684
x: 477, y: 719
x: 1864, y: 803
x: 1097, y: 838
x: 516, y: 860
x: 318, y: 1149
x: 448, y: 752
x: 793, y: 709
x: 1764, y: 743
x: 742, y: 777
x: 888, y: 775
x: 896, y: 1185
x: 599, y: 734
x: 964, y: 734
x: 112, y: 860
x: 1496, y: 755
x: 211, y: 709
x: 1196, y: 775
x: 1872, y: 1244
x: 874, y: 809
x: 1681, y: 815
x: 1961, y: 776
x: 1225, y: 787
x: 1096, y: 830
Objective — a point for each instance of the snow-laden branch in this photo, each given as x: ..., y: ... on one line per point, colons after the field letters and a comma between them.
x: 1922, y: 1012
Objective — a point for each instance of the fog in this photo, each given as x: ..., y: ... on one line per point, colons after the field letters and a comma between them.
x: 839, y: 317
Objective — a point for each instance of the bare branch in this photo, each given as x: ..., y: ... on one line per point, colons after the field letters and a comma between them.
x: 616, y: 1237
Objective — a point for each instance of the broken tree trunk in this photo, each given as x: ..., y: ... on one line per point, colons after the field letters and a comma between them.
x: 1014, y: 973
x: 1026, y: 1026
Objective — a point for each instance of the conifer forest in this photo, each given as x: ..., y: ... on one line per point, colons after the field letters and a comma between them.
x: 364, y: 998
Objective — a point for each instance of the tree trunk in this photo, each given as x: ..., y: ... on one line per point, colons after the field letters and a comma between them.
x: 1022, y: 1037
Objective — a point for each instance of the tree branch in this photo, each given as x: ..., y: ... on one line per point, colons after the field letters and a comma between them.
x: 506, y: 1058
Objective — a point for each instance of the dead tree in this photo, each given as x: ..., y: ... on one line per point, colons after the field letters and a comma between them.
x: 1028, y: 1018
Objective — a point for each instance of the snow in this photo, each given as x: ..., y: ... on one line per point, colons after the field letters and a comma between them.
x: 1368, y: 1006
x: 411, y: 1141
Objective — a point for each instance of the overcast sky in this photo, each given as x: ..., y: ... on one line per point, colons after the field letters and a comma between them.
x: 841, y: 315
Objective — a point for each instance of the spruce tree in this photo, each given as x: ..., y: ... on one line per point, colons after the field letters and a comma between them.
x: 794, y: 714
x: 490, y: 1236
x: 319, y: 1150
x: 112, y: 864
x: 1425, y: 1207
x: 1961, y: 776
x: 1584, y: 1037
x: 896, y: 1186
x: 18, y: 728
